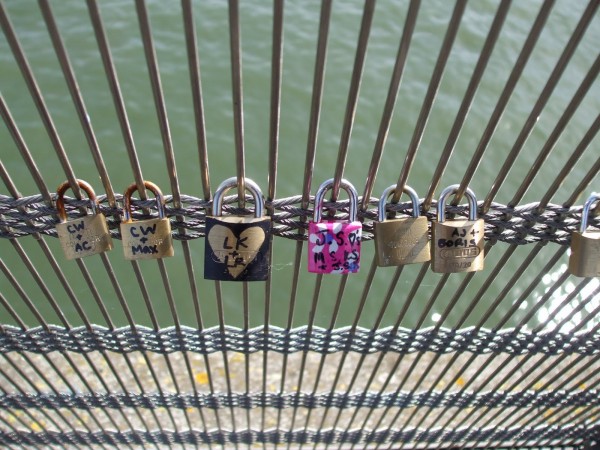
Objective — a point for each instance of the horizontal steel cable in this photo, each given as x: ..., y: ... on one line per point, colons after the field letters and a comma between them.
x: 567, y: 433
x: 431, y: 399
x: 301, y: 339
x: 527, y: 223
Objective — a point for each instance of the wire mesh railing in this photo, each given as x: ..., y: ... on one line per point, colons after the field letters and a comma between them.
x: 105, y: 351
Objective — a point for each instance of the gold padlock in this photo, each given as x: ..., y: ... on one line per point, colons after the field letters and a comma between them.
x: 146, y: 239
x: 404, y: 240
x: 457, y: 244
x: 584, y: 260
x: 84, y: 236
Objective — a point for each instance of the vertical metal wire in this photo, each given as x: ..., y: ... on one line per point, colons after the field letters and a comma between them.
x: 409, y: 373
x: 23, y: 376
x: 585, y: 181
x: 367, y: 18
x: 163, y: 121
x: 75, y: 92
x: 313, y: 130
x: 221, y: 314
x: 527, y: 373
x: 275, y: 115
x: 31, y: 306
x: 558, y: 129
x: 497, y: 267
x: 130, y: 145
x: 11, y: 312
x: 492, y: 308
x: 434, y: 84
x: 515, y: 74
x: 494, y: 374
x: 309, y: 328
x: 28, y: 440
x: 494, y: 31
x: 390, y: 101
x: 353, y: 91
x: 37, y: 98
x: 543, y: 98
x: 237, y: 97
x: 467, y: 100
x: 568, y: 166
x: 196, y: 86
x: 46, y: 118
x: 115, y: 89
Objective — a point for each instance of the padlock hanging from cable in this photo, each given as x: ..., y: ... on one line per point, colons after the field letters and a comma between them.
x: 150, y: 238
x: 84, y: 236
x: 334, y: 245
x: 400, y: 241
x: 457, y: 245
x: 584, y: 260
x: 237, y: 247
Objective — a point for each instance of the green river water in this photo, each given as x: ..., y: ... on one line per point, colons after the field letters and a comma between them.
x: 300, y: 37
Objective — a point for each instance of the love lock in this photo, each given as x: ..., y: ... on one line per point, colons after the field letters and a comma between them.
x: 84, y: 236
x: 334, y: 245
x: 150, y: 238
x: 237, y: 247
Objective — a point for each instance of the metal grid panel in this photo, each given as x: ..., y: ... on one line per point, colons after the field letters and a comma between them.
x: 128, y: 357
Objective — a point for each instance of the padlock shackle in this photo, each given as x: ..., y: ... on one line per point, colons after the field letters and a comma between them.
x: 345, y: 185
x: 60, y: 201
x: 160, y: 200
x: 594, y: 196
x: 414, y: 198
x: 441, y: 204
x: 230, y: 183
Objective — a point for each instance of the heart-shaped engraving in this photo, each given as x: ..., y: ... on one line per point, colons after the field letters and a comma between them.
x: 235, y: 252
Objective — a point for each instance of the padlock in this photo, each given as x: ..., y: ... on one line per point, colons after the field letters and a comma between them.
x: 584, y: 260
x: 150, y: 238
x: 334, y: 245
x: 237, y: 247
x: 403, y: 240
x: 457, y: 244
x: 84, y: 236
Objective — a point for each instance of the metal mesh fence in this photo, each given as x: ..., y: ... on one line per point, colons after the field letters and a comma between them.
x: 105, y: 352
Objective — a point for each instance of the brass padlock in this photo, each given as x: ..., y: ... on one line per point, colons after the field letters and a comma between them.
x: 584, y: 260
x: 404, y: 240
x: 150, y: 238
x: 457, y: 244
x: 237, y: 247
x: 84, y: 236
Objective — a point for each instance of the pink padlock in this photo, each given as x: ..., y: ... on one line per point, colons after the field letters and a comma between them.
x: 334, y: 245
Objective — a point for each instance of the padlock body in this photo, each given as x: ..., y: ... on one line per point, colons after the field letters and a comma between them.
x: 334, y: 246
x: 147, y: 239
x: 585, y: 254
x: 237, y: 248
x: 85, y: 236
x: 457, y: 246
x: 402, y: 241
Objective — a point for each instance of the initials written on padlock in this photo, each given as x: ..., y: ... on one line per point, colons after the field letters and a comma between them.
x: 334, y: 245
x: 237, y: 247
x: 84, y: 236
x: 150, y: 238
x: 584, y: 260
x: 404, y: 240
x: 457, y: 245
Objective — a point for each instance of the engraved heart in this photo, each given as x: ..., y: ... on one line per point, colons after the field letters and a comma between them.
x: 235, y: 252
